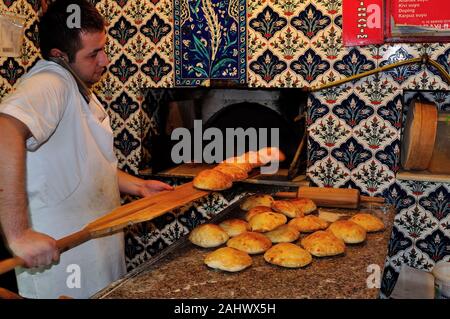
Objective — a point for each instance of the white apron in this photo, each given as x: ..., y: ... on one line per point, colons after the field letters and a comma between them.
x: 72, y: 180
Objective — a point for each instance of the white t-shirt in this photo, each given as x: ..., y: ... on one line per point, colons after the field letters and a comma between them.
x: 71, y: 179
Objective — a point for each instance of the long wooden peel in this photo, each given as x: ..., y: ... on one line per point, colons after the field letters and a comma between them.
x: 136, y: 212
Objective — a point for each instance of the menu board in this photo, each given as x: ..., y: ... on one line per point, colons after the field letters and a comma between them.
x: 368, y: 22
x: 418, y: 20
x: 433, y: 14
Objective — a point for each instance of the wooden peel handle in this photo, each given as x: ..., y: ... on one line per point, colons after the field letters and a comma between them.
x: 6, y: 294
x: 332, y: 197
x: 63, y: 245
x: 286, y: 194
x: 371, y: 199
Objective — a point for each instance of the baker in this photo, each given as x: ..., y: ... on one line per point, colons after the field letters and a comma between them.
x: 58, y: 170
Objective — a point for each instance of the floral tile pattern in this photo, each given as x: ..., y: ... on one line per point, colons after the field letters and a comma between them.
x: 421, y: 234
x: 354, y: 129
x: 210, y: 40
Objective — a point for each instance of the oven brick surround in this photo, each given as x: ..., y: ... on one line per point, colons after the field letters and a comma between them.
x: 354, y: 129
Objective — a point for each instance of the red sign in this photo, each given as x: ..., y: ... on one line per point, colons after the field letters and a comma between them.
x: 424, y: 13
x: 363, y: 22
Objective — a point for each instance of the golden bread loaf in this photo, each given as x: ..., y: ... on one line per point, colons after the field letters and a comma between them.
x: 208, y: 235
x: 288, y: 255
x: 234, y: 226
x: 228, y: 259
x: 266, y: 221
x: 238, y: 162
x: 323, y: 243
x: 255, y: 211
x: 271, y: 154
x: 286, y: 208
x: 283, y: 234
x: 305, y: 205
x: 250, y: 242
x: 348, y: 231
x: 369, y: 222
x: 257, y: 200
x: 212, y: 180
x: 234, y: 172
x: 308, y: 224
x: 251, y: 158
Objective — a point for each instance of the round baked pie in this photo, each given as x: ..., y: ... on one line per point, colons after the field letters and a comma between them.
x: 228, y: 259
x: 369, y: 222
x: 288, y: 255
x: 212, y: 180
x: 208, y: 235
x: 234, y: 226
x: 283, y: 234
x: 257, y: 200
x: 308, y: 224
x: 305, y: 205
x: 256, y: 210
x: 250, y: 242
x: 287, y: 208
x: 266, y: 221
x: 271, y: 154
x: 348, y: 231
x: 323, y: 243
x: 234, y: 172
x: 251, y: 158
x: 238, y: 162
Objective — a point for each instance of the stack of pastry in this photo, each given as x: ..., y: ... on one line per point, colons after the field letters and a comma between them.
x: 235, y: 169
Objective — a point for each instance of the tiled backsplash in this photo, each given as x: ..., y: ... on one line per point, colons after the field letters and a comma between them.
x: 354, y: 129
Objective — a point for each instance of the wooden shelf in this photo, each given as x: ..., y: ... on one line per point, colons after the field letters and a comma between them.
x: 422, y: 176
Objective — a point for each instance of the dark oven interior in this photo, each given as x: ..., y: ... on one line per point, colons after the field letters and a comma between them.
x: 222, y: 108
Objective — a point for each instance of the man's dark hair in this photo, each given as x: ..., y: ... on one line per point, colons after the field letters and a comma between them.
x: 54, y: 31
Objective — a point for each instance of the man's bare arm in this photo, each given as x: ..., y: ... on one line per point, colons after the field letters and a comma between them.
x: 132, y: 185
x: 35, y: 248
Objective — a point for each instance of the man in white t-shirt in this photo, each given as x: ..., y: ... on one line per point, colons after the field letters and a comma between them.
x: 58, y: 170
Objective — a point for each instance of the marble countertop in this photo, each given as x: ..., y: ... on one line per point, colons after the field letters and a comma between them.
x: 182, y: 274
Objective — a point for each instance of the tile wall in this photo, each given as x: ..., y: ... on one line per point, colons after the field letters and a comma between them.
x: 354, y: 129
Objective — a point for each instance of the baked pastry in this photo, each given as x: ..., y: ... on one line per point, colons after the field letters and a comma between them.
x: 251, y: 158
x: 308, y: 224
x: 212, y: 180
x: 283, y: 234
x: 287, y: 208
x: 234, y: 226
x: 255, y: 211
x: 238, y: 162
x: 228, y: 259
x: 305, y: 205
x: 348, y: 231
x: 369, y: 222
x: 271, y: 154
x: 288, y: 255
x: 257, y: 200
x: 250, y: 242
x: 266, y: 221
x: 208, y: 235
x: 234, y: 172
x: 323, y: 243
